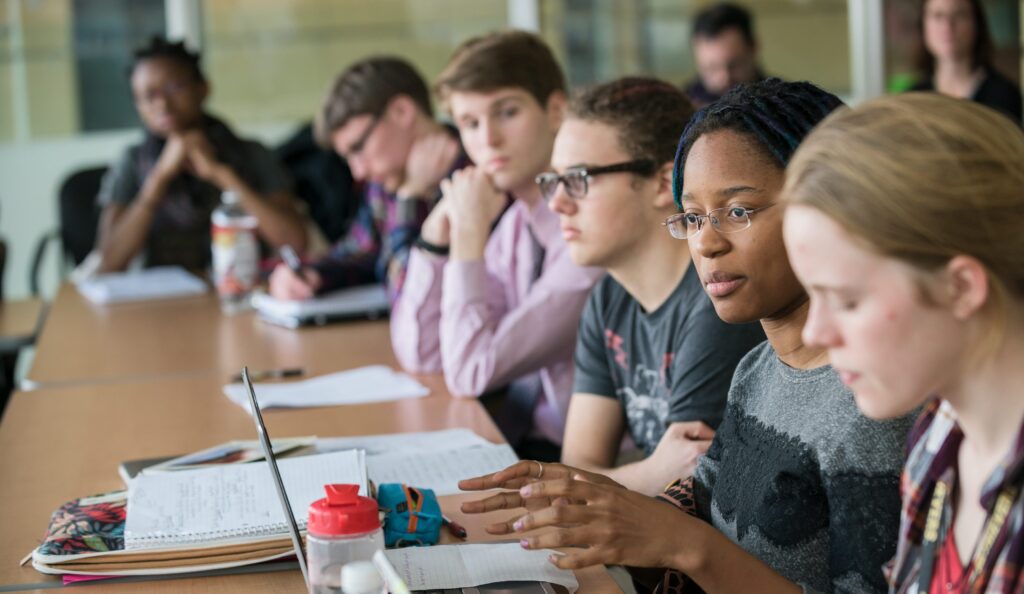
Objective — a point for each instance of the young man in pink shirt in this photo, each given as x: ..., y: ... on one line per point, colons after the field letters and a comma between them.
x: 498, y: 309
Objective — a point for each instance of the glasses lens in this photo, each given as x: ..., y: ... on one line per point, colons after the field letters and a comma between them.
x: 731, y: 220
x: 576, y: 184
x: 676, y: 226
x: 548, y: 183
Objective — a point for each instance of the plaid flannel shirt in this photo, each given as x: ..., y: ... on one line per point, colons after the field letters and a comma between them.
x: 935, y: 443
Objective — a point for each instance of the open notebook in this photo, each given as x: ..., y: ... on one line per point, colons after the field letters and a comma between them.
x: 188, y: 521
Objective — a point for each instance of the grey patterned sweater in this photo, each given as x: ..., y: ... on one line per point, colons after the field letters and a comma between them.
x: 799, y: 478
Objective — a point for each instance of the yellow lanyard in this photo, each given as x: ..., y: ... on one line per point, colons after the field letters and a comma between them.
x: 934, y: 532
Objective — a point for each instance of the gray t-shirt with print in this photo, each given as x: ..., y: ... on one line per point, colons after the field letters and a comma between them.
x: 670, y: 365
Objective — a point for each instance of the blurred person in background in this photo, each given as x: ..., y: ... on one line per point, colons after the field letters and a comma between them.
x: 725, y: 52
x: 955, y: 57
x: 158, y: 198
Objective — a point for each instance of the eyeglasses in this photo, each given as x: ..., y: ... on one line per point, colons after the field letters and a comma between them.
x: 577, y: 180
x: 685, y: 225
x: 358, y: 146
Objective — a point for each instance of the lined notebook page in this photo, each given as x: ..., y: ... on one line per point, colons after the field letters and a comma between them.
x: 439, y: 471
x: 231, y: 502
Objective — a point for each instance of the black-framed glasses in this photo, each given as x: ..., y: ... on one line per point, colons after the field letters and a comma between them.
x: 685, y: 225
x: 360, y: 143
x: 577, y: 179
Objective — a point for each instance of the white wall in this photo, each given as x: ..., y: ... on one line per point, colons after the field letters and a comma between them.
x: 31, y: 173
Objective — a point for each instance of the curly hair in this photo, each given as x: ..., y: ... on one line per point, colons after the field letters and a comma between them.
x: 775, y: 114
x: 647, y: 113
x: 161, y: 48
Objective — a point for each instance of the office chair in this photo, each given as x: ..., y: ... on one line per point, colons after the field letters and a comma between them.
x: 79, y: 220
x: 323, y: 181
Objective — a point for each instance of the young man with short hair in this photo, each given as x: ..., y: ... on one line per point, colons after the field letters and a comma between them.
x: 378, y: 116
x: 498, y: 309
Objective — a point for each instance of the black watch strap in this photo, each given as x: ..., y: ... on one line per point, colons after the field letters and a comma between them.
x: 433, y: 248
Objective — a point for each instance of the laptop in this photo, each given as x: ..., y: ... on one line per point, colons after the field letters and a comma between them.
x: 282, y: 495
x: 268, y: 452
x: 368, y: 302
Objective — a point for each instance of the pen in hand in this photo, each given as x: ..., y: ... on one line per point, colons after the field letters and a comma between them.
x: 260, y: 376
x: 291, y: 259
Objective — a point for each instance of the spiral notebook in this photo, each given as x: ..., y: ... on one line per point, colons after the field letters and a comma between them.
x: 230, y: 504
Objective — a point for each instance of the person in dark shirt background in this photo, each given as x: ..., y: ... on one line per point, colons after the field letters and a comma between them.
x: 955, y: 57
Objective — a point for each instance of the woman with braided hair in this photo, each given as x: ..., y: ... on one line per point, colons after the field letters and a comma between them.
x: 799, y: 490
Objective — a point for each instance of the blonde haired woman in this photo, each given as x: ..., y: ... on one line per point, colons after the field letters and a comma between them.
x: 906, y: 225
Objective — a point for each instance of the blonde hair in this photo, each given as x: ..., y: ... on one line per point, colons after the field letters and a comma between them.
x: 922, y: 178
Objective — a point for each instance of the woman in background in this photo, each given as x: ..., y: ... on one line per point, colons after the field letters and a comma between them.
x: 956, y: 56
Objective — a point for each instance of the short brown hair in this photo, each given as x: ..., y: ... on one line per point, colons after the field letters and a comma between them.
x: 367, y: 87
x: 499, y: 60
x: 922, y: 178
x: 647, y: 114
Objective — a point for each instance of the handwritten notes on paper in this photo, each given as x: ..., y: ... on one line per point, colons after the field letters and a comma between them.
x: 230, y: 502
x: 439, y: 470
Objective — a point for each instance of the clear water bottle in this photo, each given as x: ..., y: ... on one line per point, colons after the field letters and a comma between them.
x: 343, y: 527
x: 236, y: 253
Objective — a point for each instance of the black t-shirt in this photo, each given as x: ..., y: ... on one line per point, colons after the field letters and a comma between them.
x: 671, y: 365
x: 995, y: 91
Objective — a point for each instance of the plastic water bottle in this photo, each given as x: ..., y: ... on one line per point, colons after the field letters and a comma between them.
x: 343, y: 527
x: 236, y: 253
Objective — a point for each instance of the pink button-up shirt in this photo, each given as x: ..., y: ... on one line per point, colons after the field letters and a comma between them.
x: 485, y: 324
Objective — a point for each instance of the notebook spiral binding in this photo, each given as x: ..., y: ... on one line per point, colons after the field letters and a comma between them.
x: 210, y: 537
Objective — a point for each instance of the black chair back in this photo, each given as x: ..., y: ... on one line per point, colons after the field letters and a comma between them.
x: 79, y: 216
x: 79, y: 212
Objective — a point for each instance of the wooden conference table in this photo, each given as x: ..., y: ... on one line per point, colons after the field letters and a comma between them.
x: 66, y: 440
x: 83, y: 343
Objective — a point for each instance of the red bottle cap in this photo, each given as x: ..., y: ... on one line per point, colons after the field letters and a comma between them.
x: 342, y: 512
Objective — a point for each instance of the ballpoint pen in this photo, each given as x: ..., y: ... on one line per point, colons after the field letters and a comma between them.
x: 456, y: 529
x: 291, y: 259
x: 260, y: 376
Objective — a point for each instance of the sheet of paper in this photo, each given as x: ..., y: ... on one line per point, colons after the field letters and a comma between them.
x: 439, y: 470
x: 160, y: 282
x: 425, y: 441
x: 232, y: 501
x: 459, y: 566
x: 376, y: 383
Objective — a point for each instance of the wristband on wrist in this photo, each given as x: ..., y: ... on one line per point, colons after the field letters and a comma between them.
x: 433, y: 248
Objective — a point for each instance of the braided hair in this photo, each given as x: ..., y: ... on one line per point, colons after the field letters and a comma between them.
x: 161, y: 48
x: 775, y: 114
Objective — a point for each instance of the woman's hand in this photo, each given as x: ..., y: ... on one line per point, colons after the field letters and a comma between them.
x: 516, y: 476
x: 615, y: 525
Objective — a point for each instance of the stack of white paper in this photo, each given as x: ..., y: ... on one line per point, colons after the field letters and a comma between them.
x: 161, y: 282
x: 460, y: 566
x: 376, y: 383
